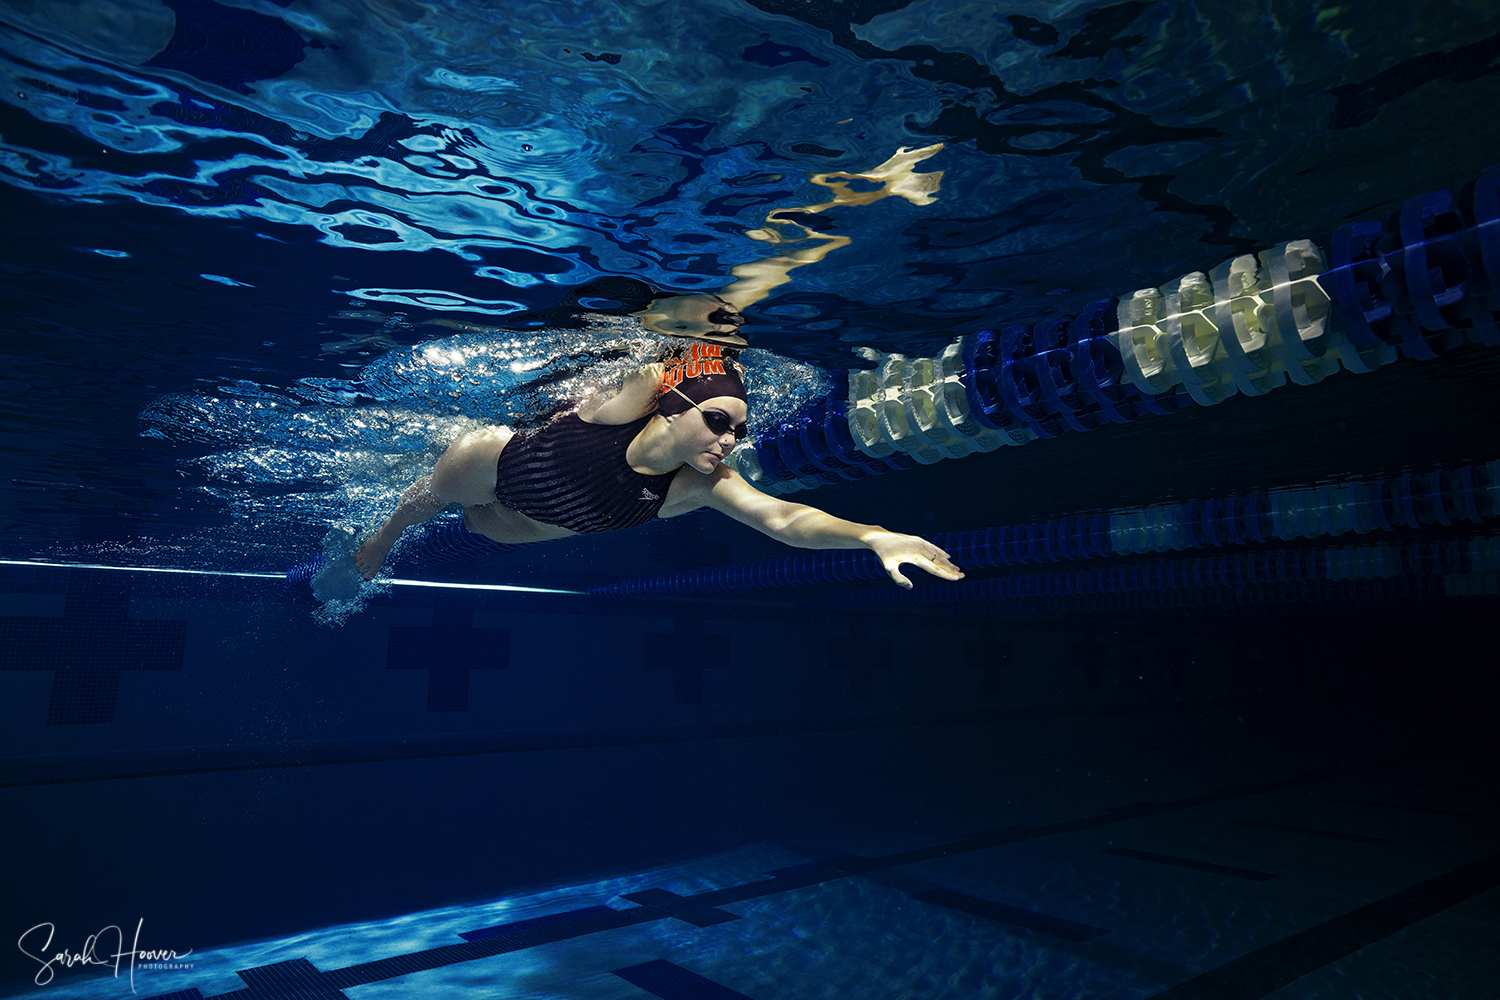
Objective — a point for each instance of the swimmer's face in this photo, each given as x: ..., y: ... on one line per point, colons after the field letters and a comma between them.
x: 704, y: 449
x: 704, y: 317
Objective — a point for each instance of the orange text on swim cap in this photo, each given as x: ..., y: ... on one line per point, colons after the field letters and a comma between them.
x: 700, y: 359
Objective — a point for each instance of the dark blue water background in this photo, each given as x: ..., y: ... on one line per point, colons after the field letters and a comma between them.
x: 225, y: 227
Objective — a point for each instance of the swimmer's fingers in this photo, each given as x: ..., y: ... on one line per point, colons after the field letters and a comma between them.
x: 895, y: 550
x: 943, y: 565
x: 942, y: 568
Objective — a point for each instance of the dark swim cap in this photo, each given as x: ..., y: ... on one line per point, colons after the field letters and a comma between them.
x: 702, y: 373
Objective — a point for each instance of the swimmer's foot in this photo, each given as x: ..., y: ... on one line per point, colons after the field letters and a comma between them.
x: 371, y: 554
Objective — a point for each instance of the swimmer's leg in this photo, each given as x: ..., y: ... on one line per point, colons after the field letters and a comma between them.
x: 418, y: 504
x: 465, y: 474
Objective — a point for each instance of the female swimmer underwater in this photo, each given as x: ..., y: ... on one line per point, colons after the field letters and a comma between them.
x: 652, y: 450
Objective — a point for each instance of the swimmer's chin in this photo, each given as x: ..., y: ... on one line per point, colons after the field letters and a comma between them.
x: 708, y: 465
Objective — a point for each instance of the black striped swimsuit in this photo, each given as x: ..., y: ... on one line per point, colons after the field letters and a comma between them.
x: 573, y: 474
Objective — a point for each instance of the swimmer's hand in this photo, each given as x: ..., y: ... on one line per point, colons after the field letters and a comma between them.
x: 893, y: 550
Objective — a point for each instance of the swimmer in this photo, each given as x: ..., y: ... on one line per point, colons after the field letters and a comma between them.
x: 654, y: 449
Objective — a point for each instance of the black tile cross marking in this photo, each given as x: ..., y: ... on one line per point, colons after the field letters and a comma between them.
x: 294, y: 980
x: 448, y: 651
x: 681, y: 907
x: 673, y: 982
x: 297, y: 979
x: 1271, y: 967
x: 88, y: 648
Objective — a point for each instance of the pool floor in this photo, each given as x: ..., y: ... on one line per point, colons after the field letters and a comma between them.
x: 1380, y: 881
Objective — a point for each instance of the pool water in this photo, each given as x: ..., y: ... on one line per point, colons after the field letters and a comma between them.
x: 263, y: 261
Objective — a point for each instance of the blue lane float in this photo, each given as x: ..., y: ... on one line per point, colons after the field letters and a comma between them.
x: 1416, y: 285
x: 1404, y: 570
x: 1414, y: 500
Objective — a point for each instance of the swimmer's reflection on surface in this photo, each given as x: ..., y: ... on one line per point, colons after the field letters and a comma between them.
x: 706, y: 317
x: 718, y: 317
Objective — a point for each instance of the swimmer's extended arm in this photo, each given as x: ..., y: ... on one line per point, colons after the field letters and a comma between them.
x: 809, y: 528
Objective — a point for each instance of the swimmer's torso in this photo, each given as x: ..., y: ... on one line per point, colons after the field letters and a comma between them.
x: 574, y: 475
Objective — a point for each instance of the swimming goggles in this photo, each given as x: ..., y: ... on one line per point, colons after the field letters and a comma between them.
x: 716, y: 420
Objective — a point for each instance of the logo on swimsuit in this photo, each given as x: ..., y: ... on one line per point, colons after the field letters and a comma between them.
x: 646, y: 494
